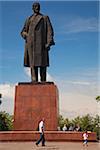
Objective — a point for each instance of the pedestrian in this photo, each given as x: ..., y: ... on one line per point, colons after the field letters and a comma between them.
x: 41, y: 131
x: 64, y: 127
x: 85, y: 137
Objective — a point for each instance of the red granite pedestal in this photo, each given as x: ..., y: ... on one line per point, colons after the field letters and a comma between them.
x: 33, y: 102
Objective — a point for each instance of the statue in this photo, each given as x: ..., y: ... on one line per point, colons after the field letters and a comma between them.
x: 38, y: 34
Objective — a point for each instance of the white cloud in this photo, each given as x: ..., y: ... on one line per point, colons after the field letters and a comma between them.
x: 77, y: 96
x: 79, y: 82
x: 77, y: 104
x: 27, y: 72
x: 8, y: 93
x: 78, y: 24
x: 50, y: 78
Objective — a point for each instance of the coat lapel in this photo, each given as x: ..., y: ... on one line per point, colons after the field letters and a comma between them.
x: 35, y: 20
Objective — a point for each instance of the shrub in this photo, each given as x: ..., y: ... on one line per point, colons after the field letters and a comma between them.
x: 6, y: 121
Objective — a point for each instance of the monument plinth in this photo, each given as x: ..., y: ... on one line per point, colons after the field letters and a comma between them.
x: 34, y: 102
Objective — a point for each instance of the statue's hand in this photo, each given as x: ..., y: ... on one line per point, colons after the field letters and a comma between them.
x: 25, y: 35
x: 47, y: 47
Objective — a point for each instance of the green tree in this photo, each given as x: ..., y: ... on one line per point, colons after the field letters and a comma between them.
x: 66, y: 122
x: 98, y: 98
x: 96, y: 125
x: 6, y: 121
x: 61, y: 121
x: 86, y: 123
x: 76, y: 120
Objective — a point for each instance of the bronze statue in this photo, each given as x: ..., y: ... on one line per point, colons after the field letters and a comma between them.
x: 38, y: 35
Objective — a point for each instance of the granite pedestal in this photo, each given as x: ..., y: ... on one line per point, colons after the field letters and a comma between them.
x: 34, y: 102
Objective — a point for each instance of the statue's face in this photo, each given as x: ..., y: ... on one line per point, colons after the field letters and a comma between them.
x: 36, y: 8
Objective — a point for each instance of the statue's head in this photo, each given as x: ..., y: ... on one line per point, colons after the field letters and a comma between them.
x: 36, y: 7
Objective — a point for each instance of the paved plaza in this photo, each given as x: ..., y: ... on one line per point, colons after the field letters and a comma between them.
x: 49, y: 146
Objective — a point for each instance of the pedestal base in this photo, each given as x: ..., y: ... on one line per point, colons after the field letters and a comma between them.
x: 49, y: 136
x: 34, y: 102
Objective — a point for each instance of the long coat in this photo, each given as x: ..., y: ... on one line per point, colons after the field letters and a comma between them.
x: 39, y: 34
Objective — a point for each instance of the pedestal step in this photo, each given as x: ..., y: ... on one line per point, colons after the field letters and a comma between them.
x: 49, y: 136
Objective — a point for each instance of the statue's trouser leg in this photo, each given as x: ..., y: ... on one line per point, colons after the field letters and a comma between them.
x: 34, y: 74
x: 43, y: 73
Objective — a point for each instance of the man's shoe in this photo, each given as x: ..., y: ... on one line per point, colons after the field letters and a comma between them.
x: 36, y: 144
x: 43, y: 145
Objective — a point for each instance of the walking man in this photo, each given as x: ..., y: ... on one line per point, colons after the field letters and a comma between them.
x: 41, y: 131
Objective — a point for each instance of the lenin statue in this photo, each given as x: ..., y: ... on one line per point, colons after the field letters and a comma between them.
x: 38, y: 35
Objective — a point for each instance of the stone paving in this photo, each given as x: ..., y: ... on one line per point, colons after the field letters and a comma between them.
x: 49, y: 146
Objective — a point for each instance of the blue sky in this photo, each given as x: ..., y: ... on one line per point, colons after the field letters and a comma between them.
x: 74, y: 60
